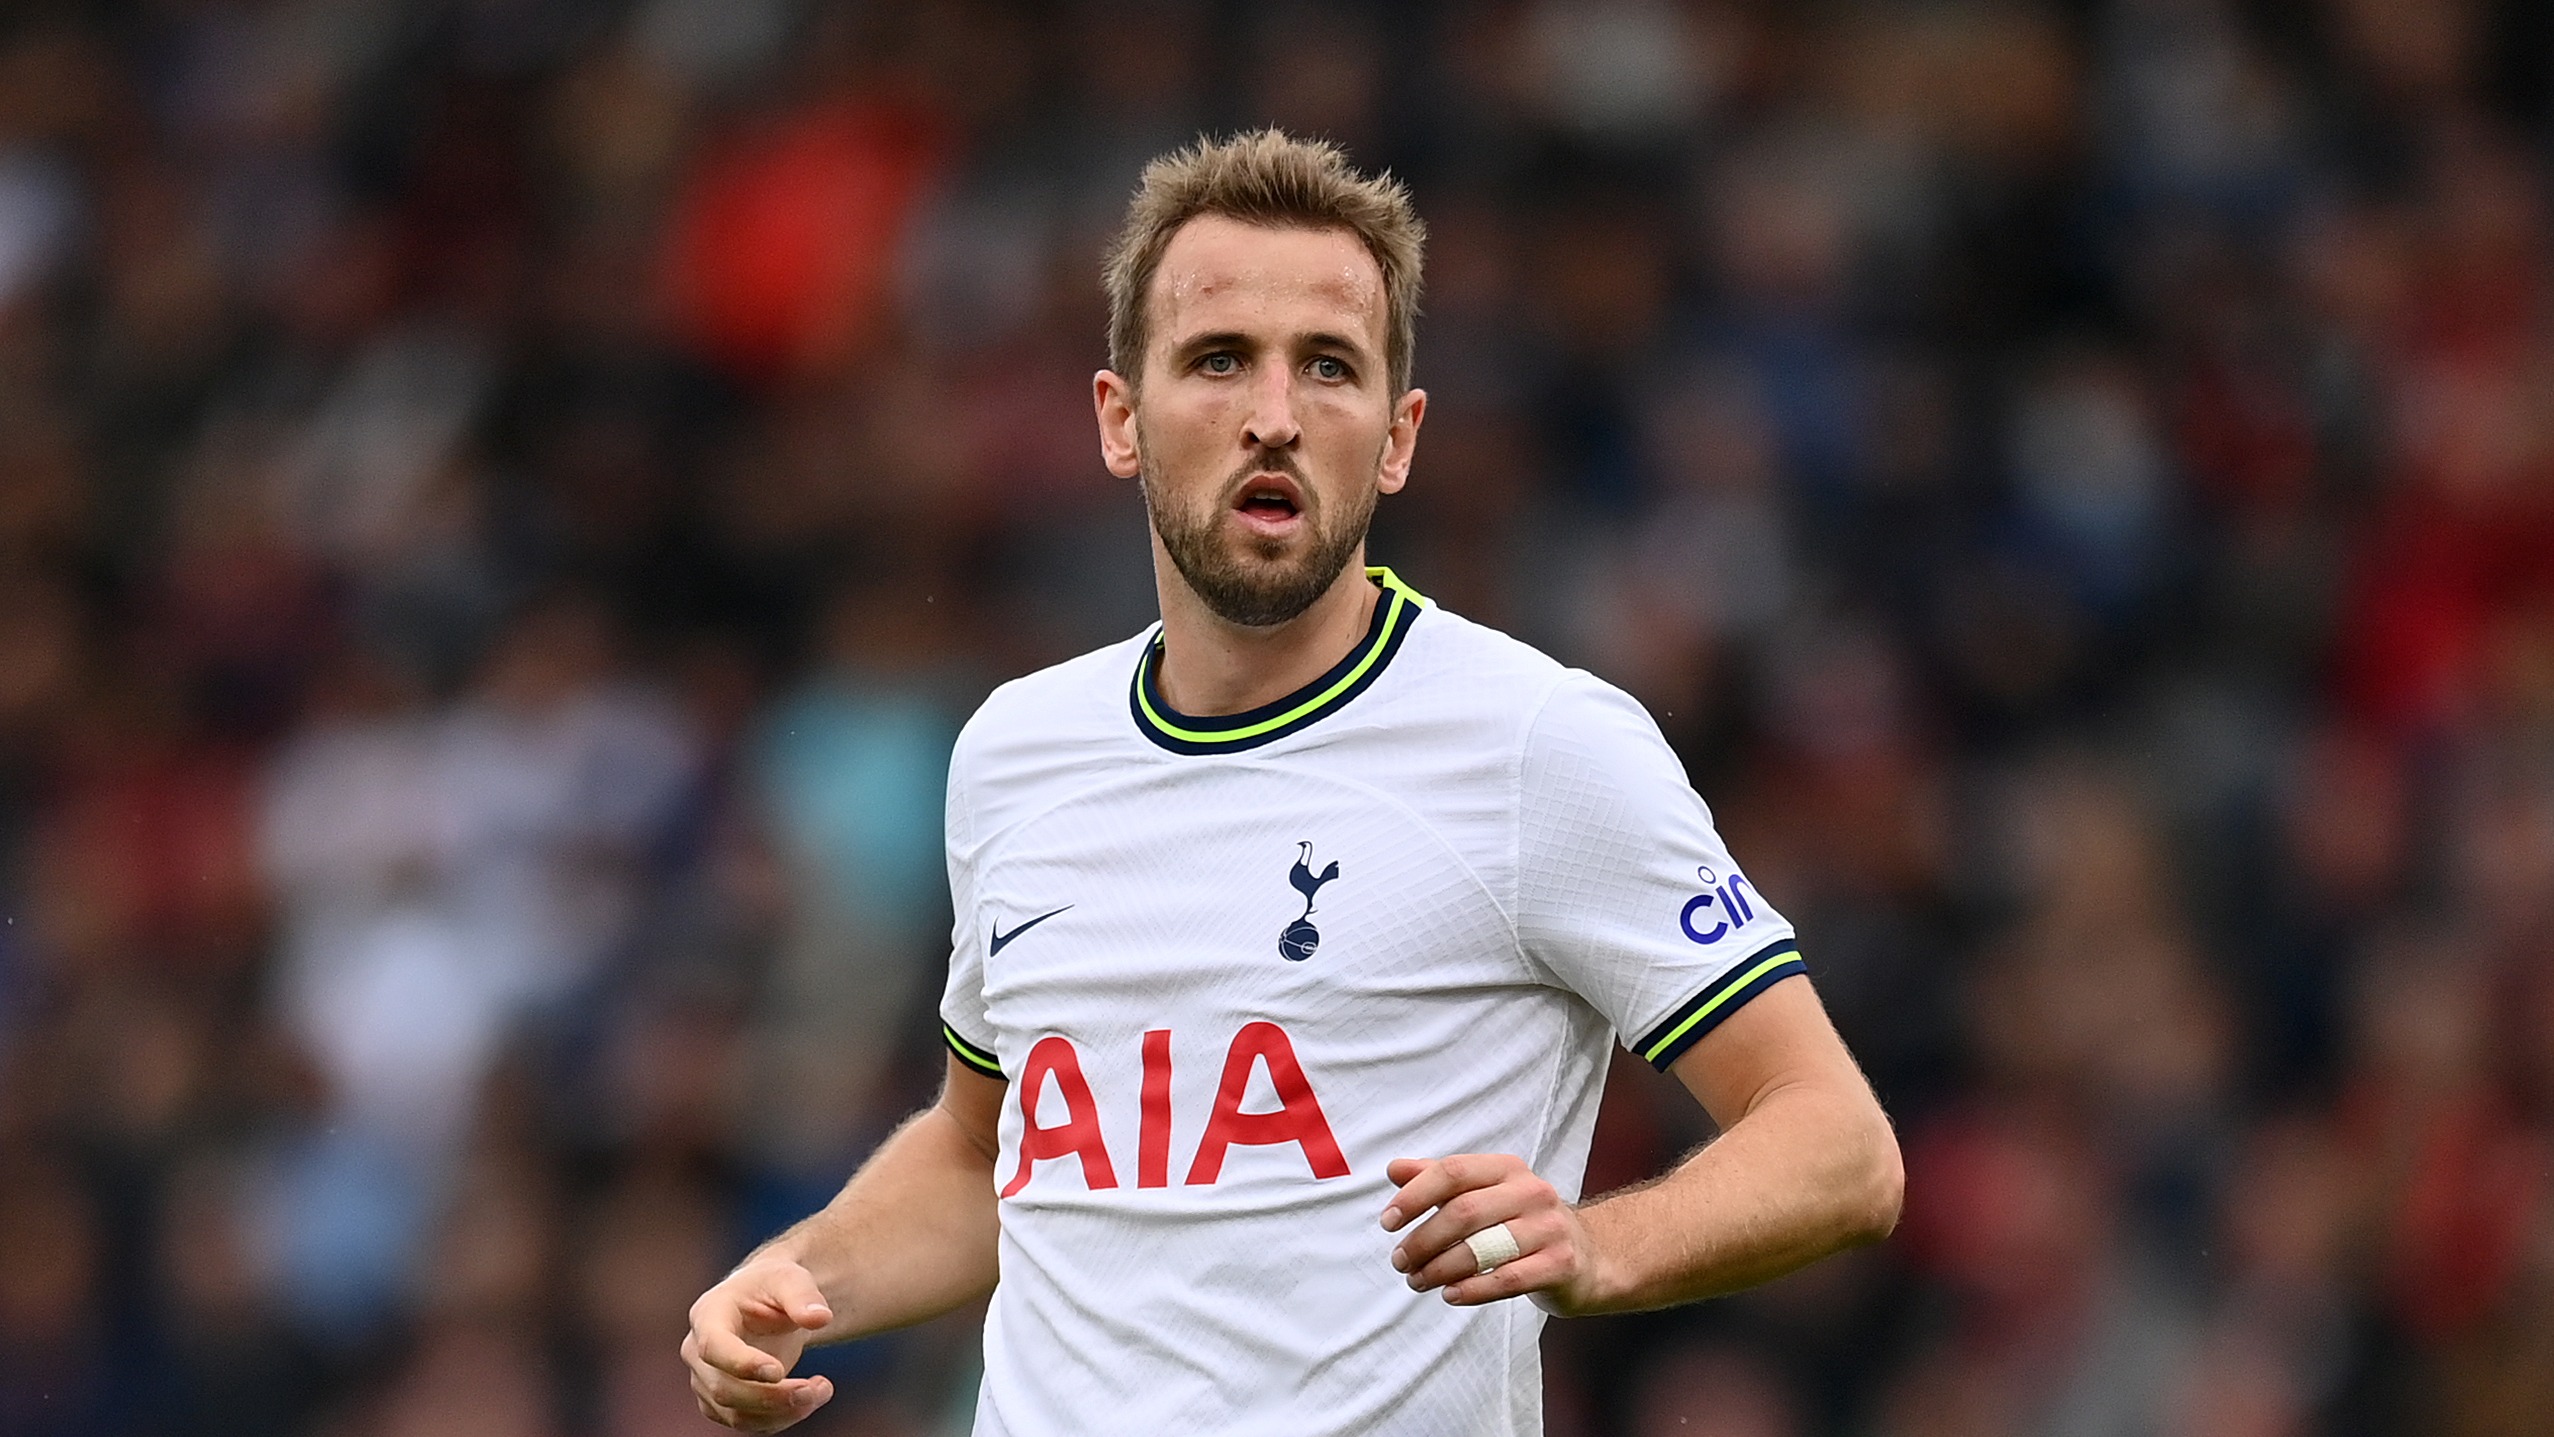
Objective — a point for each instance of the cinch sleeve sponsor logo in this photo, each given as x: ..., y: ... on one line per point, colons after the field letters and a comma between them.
x: 1719, y: 910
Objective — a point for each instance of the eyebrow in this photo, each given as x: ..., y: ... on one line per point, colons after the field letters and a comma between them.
x: 1324, y: 339
x: 1235, y: 339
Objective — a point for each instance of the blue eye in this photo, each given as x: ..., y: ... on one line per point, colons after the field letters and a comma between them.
x: 1328, y: 368
x: 1219, y: 364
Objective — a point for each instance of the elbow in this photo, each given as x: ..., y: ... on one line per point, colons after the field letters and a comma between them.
x: 1884, y: 1186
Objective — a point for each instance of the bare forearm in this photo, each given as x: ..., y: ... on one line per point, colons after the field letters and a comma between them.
x: 911, y: 1236
x: 1807, y: 1172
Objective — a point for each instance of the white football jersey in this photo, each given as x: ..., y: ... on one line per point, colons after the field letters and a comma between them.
x: 1232, y: 966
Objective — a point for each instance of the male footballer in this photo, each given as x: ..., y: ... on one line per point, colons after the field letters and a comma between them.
x: 1293, y: 933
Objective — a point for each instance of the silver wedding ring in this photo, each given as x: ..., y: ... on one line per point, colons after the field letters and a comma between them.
x: 1492, y: 1246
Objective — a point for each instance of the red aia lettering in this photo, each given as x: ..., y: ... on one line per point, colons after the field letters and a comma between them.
x: 1079, y: 1133
x: 1298, y: 1119
x: 1153, y: 1124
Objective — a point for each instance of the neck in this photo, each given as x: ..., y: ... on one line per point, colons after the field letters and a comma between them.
x: 1211, y: 666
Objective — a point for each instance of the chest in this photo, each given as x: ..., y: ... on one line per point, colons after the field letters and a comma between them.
x: 1231, y: 895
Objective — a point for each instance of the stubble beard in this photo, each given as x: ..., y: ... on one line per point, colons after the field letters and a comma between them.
x: 1250, y: 581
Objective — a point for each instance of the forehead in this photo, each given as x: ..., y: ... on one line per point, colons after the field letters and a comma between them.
x: 1219, y: 273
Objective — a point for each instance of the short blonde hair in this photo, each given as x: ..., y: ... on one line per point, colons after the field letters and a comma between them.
x: 1266, y: 177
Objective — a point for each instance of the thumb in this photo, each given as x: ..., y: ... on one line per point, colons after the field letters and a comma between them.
x: 788, y: 1292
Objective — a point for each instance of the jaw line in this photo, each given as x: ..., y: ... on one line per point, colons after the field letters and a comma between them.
x: 1249, y: 569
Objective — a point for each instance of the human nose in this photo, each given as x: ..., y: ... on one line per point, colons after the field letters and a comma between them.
x: 1272, y: 412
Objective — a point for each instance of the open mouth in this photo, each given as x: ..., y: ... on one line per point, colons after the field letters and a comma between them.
x: 1270, y: 499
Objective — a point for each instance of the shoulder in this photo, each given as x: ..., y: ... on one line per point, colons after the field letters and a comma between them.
x: 1033, y: 726
x: 1452, y: 666
x: 1589, y: 737
x: 1028, y: 702
x: 1533, y: 698
x: 1571, y: 736
x: 1446, y: 639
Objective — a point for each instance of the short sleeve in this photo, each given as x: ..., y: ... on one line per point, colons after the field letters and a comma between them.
x: 1625, y: 893
x: 963, y: 1025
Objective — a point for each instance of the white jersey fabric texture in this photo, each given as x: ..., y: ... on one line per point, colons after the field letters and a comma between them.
x: 1231, y: 967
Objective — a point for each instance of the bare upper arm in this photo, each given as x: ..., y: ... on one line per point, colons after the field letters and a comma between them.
x: 974, y: 1101
x: 1781, y: 1038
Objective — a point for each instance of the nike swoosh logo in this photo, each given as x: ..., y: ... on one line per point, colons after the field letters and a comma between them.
x: 1002, y: 939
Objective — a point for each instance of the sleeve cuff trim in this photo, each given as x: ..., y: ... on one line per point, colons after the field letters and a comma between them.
x: 980, y: 1059
x: 1727, y: 994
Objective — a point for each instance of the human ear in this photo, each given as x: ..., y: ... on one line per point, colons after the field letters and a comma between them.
x: 1401, y: 445
x: 1113, y: 398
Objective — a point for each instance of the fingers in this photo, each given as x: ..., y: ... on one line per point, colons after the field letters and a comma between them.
x: 1469, y: 1193
x: 735, y: 1380
x: 763, y: 1301
x: 755, y: 1407
x: 1472, y: 1192
x: 1443, y: 1233
x: 1455, y: 1261
x: 1427, y: 1183
x: 719, y: 1347
x: 1537, y: 1234
x: 748, y: 1405
x: 1541, y: 1269
x: 783, y: 1295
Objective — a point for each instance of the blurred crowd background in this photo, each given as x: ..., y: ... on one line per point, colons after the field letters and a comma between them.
x: 505, y: 503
